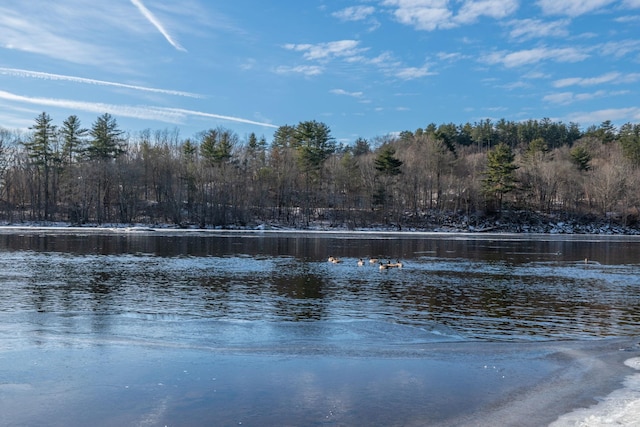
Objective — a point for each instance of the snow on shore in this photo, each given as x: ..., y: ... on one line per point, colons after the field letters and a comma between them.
x: 497, y: 226
x: 620, y: 408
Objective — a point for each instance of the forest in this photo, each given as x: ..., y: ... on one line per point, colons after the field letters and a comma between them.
x: 301, y: 177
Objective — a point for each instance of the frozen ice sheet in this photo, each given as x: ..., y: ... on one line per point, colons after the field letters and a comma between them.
x: 461, y: 383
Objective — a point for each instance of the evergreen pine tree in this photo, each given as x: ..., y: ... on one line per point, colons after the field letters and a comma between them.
x: 500, y: 174
x: 386, y: 163
x: 107, y: 141
x: 72, y: 138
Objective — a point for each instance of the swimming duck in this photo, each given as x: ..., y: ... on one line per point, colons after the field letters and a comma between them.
x: 389, y: 264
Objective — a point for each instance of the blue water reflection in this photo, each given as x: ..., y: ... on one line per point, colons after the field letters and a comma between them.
x: 278, y: 291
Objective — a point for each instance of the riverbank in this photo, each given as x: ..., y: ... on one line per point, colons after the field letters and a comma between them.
x: 511, y: 222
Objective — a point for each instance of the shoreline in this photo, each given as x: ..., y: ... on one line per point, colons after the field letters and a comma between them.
x: 167, y: 228
x: 510, y: 222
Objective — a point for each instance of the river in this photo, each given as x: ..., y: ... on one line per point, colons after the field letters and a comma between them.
x: 140, y: 327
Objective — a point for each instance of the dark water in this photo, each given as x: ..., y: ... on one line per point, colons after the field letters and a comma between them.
x: 152, y: 312
x: 273, y: 290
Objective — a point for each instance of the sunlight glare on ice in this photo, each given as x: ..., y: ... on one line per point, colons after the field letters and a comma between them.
x: 620, y: 408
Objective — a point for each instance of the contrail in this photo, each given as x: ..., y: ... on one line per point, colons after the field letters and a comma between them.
x: 162, y: 114
x: 151, y: 18
x: 215, y: 116
x: 97, y: 107
x: 48, y: 76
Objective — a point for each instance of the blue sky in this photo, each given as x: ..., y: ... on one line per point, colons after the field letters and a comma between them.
x: 365, y: 68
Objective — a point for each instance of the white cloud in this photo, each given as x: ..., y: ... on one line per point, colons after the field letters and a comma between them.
x: 559, y: 98
x: 612, y: 77
x: 631, y: 19
x: 430, y: 15
x: 516, y: 85
x: 450, y: 56
x: 248, y: 64
x: 422, y: 14
x: 307, y: 70
x: 536, y: 75
x: 571, y: 7
x: 613, y: 114
x: 633, y: 4
x: 358, y: 13
x: 471, y: 10
x: 354, y: 13
x: 48, y: 76
x: 322, y: 51
x: 350, y: 52
x: 56, y: 36
x: 565, y: 98
x: 620, y: 48
x: 344, y: 92
x: 535, y: 55
x: 385, y: 58
x: 157, y: 24
x: 526, y: 29
x: 99, y: 34
x: 410, y: 73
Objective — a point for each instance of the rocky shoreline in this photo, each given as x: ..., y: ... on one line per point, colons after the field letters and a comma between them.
x: 523, y: 222
x: 511, y: 222
x: 527, y: 222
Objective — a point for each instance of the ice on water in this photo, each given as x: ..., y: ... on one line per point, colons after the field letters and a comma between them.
x: 620, y: 408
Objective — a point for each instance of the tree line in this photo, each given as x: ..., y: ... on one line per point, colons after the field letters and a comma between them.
x: 303, y: 176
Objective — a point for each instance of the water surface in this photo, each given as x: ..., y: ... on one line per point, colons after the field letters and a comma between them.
x: 173, y: 319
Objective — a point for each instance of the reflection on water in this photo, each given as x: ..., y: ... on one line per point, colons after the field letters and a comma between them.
x: 279, y: 290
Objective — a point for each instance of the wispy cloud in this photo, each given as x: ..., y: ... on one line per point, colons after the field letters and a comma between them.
x: 526, y: 29
x: 472, y: 10
x: 620, y: 48
x: 325, y: 51
x: 156, y: 23
x: 20, y: 30
x: 358, y: 13
x: 630, y: 19
x: 354, y: 13
x: 451, y: 56
x: 515, y: 85
x: 351, y: 53
x: 410, y: 73
x: 423, y: 15
x: 571, y: 7
x: 344, y: 92
x: 49, y: 76
x: 429, y: 15
x: 599, y: 116
x: 162, y: 114
x: 613, y: 77
x: 307, y: 70
x: 566, y: 98
x: 535, y: 55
